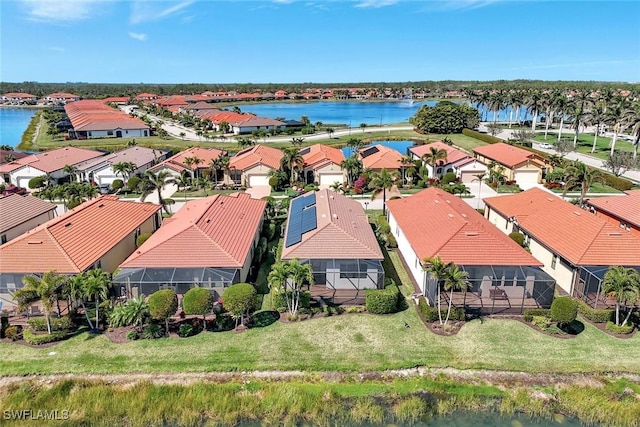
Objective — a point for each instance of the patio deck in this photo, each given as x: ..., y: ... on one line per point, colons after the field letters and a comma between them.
x: 323, y: 294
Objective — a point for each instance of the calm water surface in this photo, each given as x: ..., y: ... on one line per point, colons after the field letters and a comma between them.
x: 400, y: 146
x: 13, y: 123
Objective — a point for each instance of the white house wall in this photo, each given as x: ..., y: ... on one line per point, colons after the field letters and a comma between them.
x: 410, y: 258
x: 126, y: 133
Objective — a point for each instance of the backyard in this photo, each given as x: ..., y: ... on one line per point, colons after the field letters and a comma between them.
x: 585, y: 143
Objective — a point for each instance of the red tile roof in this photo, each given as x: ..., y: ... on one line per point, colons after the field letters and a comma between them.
x: 438, y: 223
x: 253, y: 121
x: 74, y: 241
x: 137, y: 155
x: 116, y: 100
x: 91, y: 115
x: 16, y: 210
x: 19, y: 95
x: 63, y: 95
x: 571, y: 232
x: 177, y: 161
x: 506, y: 154
x: 343, y: 231
x: 258, y: 154
x: 320, y: 155
x: 4, y: 154
x: 53, y: 160
x: 453, y: 154
x: 215, y: 231
x: 626, y: 208
x: 384, y: 157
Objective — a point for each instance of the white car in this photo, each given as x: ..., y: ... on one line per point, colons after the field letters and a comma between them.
x: 545, y: 145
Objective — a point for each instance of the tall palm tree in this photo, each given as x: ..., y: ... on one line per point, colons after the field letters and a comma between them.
x: 479, y: 177
x: 497, y: 102
x: 624, y: 285
x: 297, y: 142
x: 560, y: 106
x: 455, y: 280
x: 75, y: 292
x: 155, y: 182
x: 298, y: 274
x: 125, y: 169
x: 293, y: 162
x: 577, y: 174
x: 632, y: 120
x: 353, y: 166
x: 615, y: 117
x: 579, y: 105
x: 406, y: 162
x: 548, y: 102
x: 595, y: 117
x: 514, y: 101
x: 192, y: 163
x: 533, y: 102
x: 244, y: 142
x: 438, y: 271
x: 96, y: 285
x: 381, y: 182
x: 46, y: 288
x: 277, y: 280
x: 433, y: 156
x: 70, y: 170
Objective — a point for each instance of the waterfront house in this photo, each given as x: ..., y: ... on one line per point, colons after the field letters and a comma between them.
x: 524, y: 167
x: 457, y: 161
x: 332, y: 233
x: 19, y: 98
x: 378, y: 157
x: 60, y: 98
x: 95, y: 119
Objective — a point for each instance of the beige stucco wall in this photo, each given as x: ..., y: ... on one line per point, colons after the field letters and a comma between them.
x: 249, y: 259
x: 29, y: 225
x: 496, y: 219
x: 256, y: 170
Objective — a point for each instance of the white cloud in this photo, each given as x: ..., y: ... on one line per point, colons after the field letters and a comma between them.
x: 375, y: 3
x: 138, y: 36
x: 145, y: 10
x: 61, y: 10
x: 57, y: 49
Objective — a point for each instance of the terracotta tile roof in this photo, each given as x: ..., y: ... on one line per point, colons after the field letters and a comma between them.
x: 116, y: 99
x: 224, y: 116
x: 453, y: 154
x: 177, y: 161
x: 438, y: 223
x: 215, y: 231
x: 19, y: 95
x: 506, y: 154
x: 53, y: 160
x: 63, y: 95
x: 573, y: 233
x: 74, y: 241
x: 343, y: 231
x: 320, y: 155
x: 16, y: 210
x: 6, y: 153
x: 258, y: 154
x: 626, y: 207
x: 137, y: 155
x: 96, y: 115
x: 379, y: 156
x: 256, y: 121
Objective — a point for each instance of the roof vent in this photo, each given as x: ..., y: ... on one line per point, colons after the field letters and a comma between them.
x: 577, y: 213
x: 101, y: 205
x: 436, y: 201
x: 614, y: 234
x: 550, y: 199
x: 464, y: 215
x: 68, y: 224
x: 450, y: 215
x: 335, y: 216
x: 448, y: 201
x: 34, y: 242
x: 471, y: 233
x: 324, y: 215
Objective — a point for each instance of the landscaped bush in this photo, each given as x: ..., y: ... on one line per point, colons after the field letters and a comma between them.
x: 274, y: 181
x: 132, y: 335
x: 262, y: 246
x: 421, y: 184
x: 142, y: 238
x: 542, y: 322
x: 529, y: 313
x: 430, y: 314
x: 153, y: 331
x: 564, y: 310
x: 448, y: 178
x: 280, y: 302
x: 623, y: 330
x: 239, y: 299
x: 37, y: 182
x: 39, y: 324
x: 198, y: 301
x: 162, y: 305
x: 382, y: 301
x: 310, y: 187
x: 391, y: 241
x: 594, y: 315
x: 616, y: 182
x: 4, y: 324
x: 481, y: 136
x: 38, y: 339
x: 269, y: 231
x: 383, y: 225
x: 517, y: 237
x: 133, y: 183
x: 117, y: 184
x: 13, y: 332
x: 185, y: 330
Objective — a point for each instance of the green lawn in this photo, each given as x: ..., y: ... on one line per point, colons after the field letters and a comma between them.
x: 508, y: 189
x: 595, y: 188
x: 349, y: 342
x: 180, y: 195
x: 585, y: 143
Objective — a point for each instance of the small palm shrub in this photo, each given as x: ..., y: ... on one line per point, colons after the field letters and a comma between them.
x: 185, y: 330
x: 153, y: 331
x: 132, y: 335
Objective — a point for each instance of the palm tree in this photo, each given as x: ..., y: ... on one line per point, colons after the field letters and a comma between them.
x: 533, y: 102
x: 182, y: 182
x: 277, y: 280
x: 244, y: 142
x: 330, y: 131
x: 438, y: 270
x: 455, y: 280
x: 623, y: 284
x: 46, y: 288
x: 496, y: 103
x: 514, y: 100
x: 615, y: 117
x: 192, y: 163
x: 579, y: 174
x: 297, y: 142
x: 381, y: 182
x: 96, y: 285
x: 548, y: 102
x: 579, y: 104
x: 75, y: 291
x: 125, y: 169
x: 70, y: 170
x: 595, y: 117
x: 155, y: 182
x: 293, y: 162
x: 353, y: 166
x: 632, y: 121
x: 560, y: 106
x: 363, y: 126
x: 298, y: 275
x: 479, y: 177
x: 406, y: 162
x: 433, y: 156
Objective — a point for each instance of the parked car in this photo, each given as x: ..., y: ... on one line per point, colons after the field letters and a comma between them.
x: 12, y: 189
x: 546, y: 145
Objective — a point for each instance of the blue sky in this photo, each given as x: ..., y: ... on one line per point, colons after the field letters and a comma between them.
x: 322, y: 41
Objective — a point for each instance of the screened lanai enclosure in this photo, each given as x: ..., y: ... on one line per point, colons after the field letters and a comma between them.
x: 131, y: 282
x: 588, y: 287
x: 498, y: 289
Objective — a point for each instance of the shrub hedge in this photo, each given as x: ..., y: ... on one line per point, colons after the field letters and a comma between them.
x: 163, y: 304
x: 197, y: 301
x: 564, y: 310
x: 39, y: 324
x: 626, y: 329
x: 280, y: 303
x: 13, y: 332
x: 39, y: 339
x: 391, y: 241
x: 616, y: 182
x: 594, y: 315
x: 382, y: 301
x: 430, y: 314
x: 517, y: 237
x: 481, y: 136
x: 383, y: 225
x: 529, y: 313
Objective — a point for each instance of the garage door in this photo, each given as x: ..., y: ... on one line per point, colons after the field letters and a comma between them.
x: 23, y: 181
x: 258, y: 180
x: 330, y: 178
x: 526, y: 177
x: 469, y: 176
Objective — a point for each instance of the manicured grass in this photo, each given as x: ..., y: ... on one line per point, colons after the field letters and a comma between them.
x: 585, y: 143
x: 336, y: 343
x: 595, y: 188
x: 459, y: 140
x: 508, y: 189
x: 201, y: 193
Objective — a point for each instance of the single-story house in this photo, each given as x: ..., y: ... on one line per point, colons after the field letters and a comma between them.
x: 251, y: 123
x: 61, y: 98
x: 177, y: 164
x: 209, y: 242
x: 19, y: 214
x: 251, y: 167
x: 95, y: 119
x: 575, y: 246
x: 19, y: 98
x: 378, y: 157
x: 522, y: 166
x: 322, y: 164
x: 457, y: 161
x: 623, y: 211
x: 332, y: 233
x: 50, y: 162
x: 503, y: 277
x: 100, y: 233
x: 100, y: 170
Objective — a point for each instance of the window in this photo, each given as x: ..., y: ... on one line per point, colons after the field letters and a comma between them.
x: 439, y: 170
x: 4, y: 239
x: 110, y: 133
x: 554, y: 261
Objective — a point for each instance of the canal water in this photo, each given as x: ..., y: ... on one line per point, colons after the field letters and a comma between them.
x: 13, y: 123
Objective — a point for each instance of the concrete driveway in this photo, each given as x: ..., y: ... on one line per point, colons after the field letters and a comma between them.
x: 258, y: 191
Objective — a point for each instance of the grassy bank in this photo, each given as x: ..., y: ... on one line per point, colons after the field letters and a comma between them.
x: 336, y: 343
x: 585, y: 143
x: 316, y: 402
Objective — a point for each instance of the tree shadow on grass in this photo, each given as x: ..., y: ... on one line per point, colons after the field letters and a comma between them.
x: 573, y: 328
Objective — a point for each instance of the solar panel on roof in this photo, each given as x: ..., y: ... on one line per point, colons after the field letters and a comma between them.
x: 368, y: 151
x: 310, y: 200
x: 305, y: 151
x: 309, y: 221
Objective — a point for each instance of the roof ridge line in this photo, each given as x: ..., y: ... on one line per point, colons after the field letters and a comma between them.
x: 586, y: 250
x: 62, y: 249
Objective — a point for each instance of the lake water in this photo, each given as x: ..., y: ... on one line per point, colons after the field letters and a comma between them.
x: 13, y: 123
x: 400, y: 146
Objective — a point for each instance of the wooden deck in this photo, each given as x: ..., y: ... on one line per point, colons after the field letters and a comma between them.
x: 323, y: 295
x: 496, y: 302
